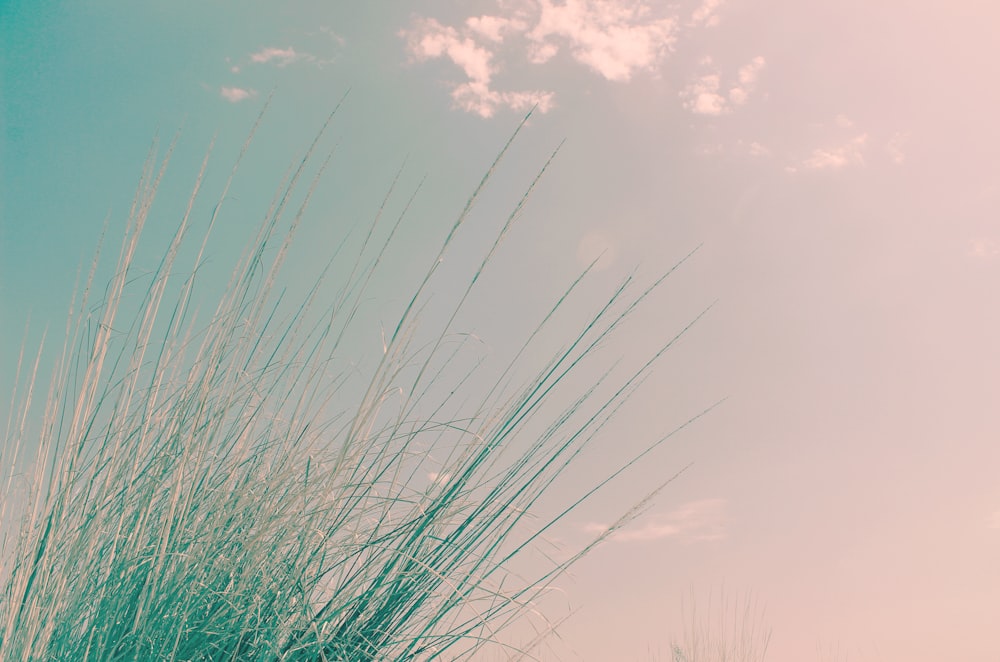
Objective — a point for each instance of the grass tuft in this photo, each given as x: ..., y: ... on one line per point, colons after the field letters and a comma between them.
x: 736, y: 633
x: 225, y: 489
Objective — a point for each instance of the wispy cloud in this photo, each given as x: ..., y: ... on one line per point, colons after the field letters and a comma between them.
x: 755, y: 148
x: 984, y: 248
x: 895, y: 148
x: 843, y: 121
x: 747, y: 80
x: 236, y: 94
x: 287, y: 55
x: 706, y: 14
x: 702, y: 96
x: 494, y: 28
x: 851, y: 153
x: 279, y: 56
x: 271, y: 55
x: 705, y: 96
x: 337, y: 38
x: 696, y: 521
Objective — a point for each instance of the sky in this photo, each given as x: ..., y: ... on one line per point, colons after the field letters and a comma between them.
x: 835, y: 163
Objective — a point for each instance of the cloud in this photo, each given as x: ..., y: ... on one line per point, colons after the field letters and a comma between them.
x: 493, y: 28
x: 753, y: 148
x: 429, y: 39
x: 236, y: 94
x: 749, y: 72
x: 615, y: 39
x: 484, y: 101
x: 704, y: 96
x: 843, y: 121
x: 329, y: 32
x: 895, y: 146
x: 281, y: 56
x: 696, y: 521
x: 983, y: 249
x: 707, y: 14
x: 747, y: 77
x: 837, y: 158
x: 436, y: 40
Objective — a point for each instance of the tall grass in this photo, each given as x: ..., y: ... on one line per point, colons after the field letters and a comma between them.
x: 222, y: 490
x: 735, y: 632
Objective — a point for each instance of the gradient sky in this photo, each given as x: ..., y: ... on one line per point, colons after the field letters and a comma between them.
x: 837, y: 160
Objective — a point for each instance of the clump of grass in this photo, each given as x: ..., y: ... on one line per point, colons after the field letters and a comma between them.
x: 217, y: 490
x: 736, y: 633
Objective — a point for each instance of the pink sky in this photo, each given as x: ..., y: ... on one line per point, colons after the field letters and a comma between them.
x: 837, y: 161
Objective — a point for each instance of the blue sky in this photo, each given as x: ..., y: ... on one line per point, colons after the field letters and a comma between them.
x: 836, y: 161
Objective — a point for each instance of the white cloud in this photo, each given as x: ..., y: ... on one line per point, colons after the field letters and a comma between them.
x: 738, y: 96
x: 747, y: 76
x: 540, y: 53
x: 433, y: 40
x: 749, y: 72
x: 493, y: 28
x: 236, y: 94
x: 613, y: 38
x: 703, y: 96
x: 706, y: 14
x: 281, y: 56
x: 836, y: 158
x: 430, y: 39
x: 696, y: 521
x: 480, y: 99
